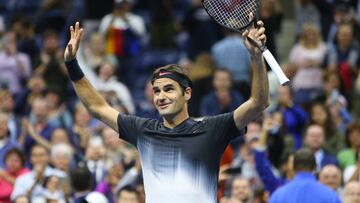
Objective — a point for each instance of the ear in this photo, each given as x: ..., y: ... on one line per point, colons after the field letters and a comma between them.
x: 188, y: 92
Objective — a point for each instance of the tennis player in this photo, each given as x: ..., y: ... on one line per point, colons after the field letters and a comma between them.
x: 179, y: 156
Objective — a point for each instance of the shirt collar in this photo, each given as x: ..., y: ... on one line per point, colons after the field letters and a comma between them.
x: 304, y: 175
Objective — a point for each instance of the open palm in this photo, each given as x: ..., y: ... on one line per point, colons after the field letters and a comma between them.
x: 73, y: 45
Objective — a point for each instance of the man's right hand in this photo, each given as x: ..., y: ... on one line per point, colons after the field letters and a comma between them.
x: 73, y: 45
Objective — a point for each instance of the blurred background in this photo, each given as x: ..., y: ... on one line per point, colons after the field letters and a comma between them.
x: 53, y: 150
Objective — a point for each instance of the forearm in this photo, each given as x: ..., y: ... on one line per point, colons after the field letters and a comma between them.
x: 85, y: 91
x: 259, y: 83
x: 355, y: 176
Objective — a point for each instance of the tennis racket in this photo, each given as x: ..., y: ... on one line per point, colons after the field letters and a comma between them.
x: 234, y: 15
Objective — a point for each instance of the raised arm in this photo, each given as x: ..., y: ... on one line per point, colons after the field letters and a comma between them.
x: 259, y: 98
x: 88, y: 95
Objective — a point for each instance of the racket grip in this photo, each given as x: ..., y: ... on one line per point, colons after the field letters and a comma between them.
x: 275, y: 67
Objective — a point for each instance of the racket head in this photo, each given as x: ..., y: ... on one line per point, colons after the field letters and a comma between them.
x: 232, y: 14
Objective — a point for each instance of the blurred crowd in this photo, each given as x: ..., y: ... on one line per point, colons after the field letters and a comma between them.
x: 53, y: 150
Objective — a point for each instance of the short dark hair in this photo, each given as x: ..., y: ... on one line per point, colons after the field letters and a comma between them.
x: 17, y: 152
x: 304, y: 160
x: 173, y: 68
x: 81, y: 178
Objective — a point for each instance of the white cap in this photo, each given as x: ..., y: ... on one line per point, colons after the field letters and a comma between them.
x: 96, y: 197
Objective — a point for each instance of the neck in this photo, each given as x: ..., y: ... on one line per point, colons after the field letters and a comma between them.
x: 173, y: 121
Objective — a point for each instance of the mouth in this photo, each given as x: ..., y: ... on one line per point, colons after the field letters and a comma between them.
x: 163, y: 106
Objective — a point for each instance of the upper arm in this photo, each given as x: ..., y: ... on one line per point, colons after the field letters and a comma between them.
x: 108, y: 115
x: 246, y: 112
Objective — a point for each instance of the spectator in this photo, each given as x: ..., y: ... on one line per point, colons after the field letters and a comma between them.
x: 227, y: 53
x: 352, y: 192
x: 108, y: 82
x: 58, y: 113
x: 50, y: 64
x: 14, y: 167
x: 108, y: 186
x: 201, y: 73
x: 202, y: 30
x: 128, y: 195
x: 330, y: 175
x: 347, y: 156
x: 35, y: 88
x: 344, y: 57
x: 304, y: 187
x: 320, y: 115
x: 30, y: 184
x: 7, y: 105
x: 335, y: 101
x: 81, y: 182
x: 306, y: 56
x: 223, y: 98
x: 271, y: 14
x: 5, y: 142
x: 93, y: 53
x: 352, y: 172
x: 62, y: 157
x: 241, y: 192
x: 305, y: 12
x: 123, y: 31
x: 95, y: 160
x: 314, y: 140
x: 294, y: 116
x: 15, y: 67
x: 39, y: 119
x: 27, y: 41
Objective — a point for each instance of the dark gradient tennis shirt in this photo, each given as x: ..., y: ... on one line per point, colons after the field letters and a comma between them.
x: 180, y: 165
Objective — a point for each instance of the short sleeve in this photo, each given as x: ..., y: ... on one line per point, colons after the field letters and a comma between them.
x: 131, y: 127
x: 223, y: 126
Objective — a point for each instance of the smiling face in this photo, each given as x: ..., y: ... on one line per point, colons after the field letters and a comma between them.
x: 169, y: 98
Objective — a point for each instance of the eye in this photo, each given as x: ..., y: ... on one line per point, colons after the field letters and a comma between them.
x: 156, y: 91
x: 168, y: 89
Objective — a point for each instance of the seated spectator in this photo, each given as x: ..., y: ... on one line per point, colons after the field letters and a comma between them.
x: 335, y: 100
x: 320, y: 115
x: 347, y: 156
x: 50, y: 64
x: 15, y: 66
x: 352, y: 172
x: 314, y: 140
x: 294, y: 117
x: 30, y: 184
x: 93, y: 53
x: 352, y: 192
x: 227, y: 53
x: 7, y: 105
x: 35, y: 88
x: 304, y: 187
x: 107, y: 82
x: 58, y: 114
x: 223, y: 98
x: 62, y: 157
x: 81, y: 182
x: 241, y: 192
x: 5, y: 142
x: 306, y: 56
x: 330, y: 175
x: 39, y: 119
x: 108, y: 186
x: 128, y: 195
x: 96, y: 160
x: 344, y: 57
x: 14, y: 167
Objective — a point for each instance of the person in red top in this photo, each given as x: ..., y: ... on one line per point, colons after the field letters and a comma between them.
x: 14, y: 167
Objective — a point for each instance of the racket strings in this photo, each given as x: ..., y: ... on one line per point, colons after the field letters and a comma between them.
x: 233, y: 14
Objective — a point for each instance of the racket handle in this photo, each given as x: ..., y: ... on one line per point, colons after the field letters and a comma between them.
x: 275, y: 67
